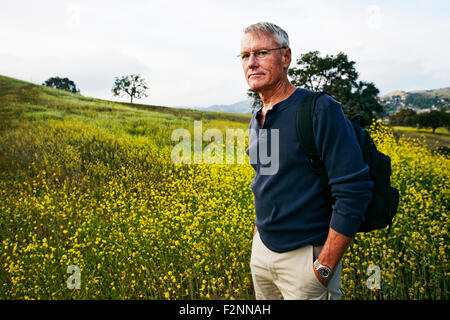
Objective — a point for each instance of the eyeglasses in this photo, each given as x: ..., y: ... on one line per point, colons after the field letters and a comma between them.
x: 259, y: 54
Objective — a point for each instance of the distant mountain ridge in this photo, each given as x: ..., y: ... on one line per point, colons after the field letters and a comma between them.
x: 238, y: 107
x: 418, y: 100
x: 242, y: 107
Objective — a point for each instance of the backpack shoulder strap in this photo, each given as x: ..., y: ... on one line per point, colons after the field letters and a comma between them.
x: 305, y: 113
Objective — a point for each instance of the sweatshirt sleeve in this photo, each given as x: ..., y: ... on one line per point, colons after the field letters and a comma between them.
x: 349, y: 175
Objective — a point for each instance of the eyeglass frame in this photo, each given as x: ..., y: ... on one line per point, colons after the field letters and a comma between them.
x: 257, y: 52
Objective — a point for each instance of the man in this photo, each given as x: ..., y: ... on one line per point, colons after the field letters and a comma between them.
x: 297, y: 248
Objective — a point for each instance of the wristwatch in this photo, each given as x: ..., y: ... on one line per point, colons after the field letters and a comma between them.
x: 324, y: 271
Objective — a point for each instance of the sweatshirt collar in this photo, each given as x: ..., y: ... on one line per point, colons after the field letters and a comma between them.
x: 280, y: 105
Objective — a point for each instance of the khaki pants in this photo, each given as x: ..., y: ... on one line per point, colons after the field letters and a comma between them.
x: 290, y: 275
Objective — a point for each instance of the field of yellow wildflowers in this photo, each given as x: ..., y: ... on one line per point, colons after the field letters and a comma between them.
x: 91, y: 183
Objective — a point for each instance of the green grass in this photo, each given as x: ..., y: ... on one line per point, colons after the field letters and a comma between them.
x: 441, y: 137
x: 439, y: 131
x: 36, y: 103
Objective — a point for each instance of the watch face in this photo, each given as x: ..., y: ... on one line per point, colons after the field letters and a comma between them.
x: 324, y: 272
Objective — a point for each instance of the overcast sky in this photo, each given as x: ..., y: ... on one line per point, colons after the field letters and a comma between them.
x: 186, y: 50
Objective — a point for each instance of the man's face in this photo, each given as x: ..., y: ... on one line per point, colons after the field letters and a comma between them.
x: 267, y: 71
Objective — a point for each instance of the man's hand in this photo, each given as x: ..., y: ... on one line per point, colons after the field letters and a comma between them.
x: 256, y: 230
x: 332, y: 251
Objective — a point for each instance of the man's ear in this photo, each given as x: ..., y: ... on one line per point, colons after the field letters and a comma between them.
x: 286, y: 58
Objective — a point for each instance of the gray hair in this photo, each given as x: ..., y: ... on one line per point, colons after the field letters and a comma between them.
x: 280, y: 36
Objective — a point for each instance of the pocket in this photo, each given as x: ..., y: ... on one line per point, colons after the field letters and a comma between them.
x: 312, y: 269
x: 253, y: 251
x: 256, y: 242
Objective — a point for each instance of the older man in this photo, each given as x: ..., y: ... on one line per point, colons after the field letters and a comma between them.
x: 297, y: 248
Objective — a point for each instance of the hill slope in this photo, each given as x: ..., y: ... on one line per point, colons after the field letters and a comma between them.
x: 418, y: 100
x: 21, y: 99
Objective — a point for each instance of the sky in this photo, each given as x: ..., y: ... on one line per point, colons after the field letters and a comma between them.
x: 186, y: 50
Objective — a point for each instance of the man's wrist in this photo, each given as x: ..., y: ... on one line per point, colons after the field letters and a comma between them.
x: 333, y: 249
x: 326, y: 262
x: 324, y: 271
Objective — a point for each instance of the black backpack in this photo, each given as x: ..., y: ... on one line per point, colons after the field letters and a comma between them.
x: 384, y: 203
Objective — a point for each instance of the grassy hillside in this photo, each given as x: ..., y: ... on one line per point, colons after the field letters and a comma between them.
x: 91, y: 183
x: 21, y: 99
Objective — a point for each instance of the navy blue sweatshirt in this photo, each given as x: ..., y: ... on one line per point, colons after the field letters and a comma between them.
x: 290, y: 208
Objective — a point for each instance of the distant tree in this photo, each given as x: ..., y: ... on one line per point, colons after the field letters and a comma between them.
x: 364, y: 101
x: 446, y: 118
x: 61, y: 83
x: 132, y: 85
x: 256, y: 100
x: 337, y: 76
x: 333, y: 74
x: 433, y: 119
x: 404, y: 117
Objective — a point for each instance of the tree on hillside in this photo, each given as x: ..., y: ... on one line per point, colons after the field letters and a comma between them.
x: 133, y: 85
x: 61, y: 83
x: 433, y: 119
x: 337, y: 76
x: 403, y: 117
